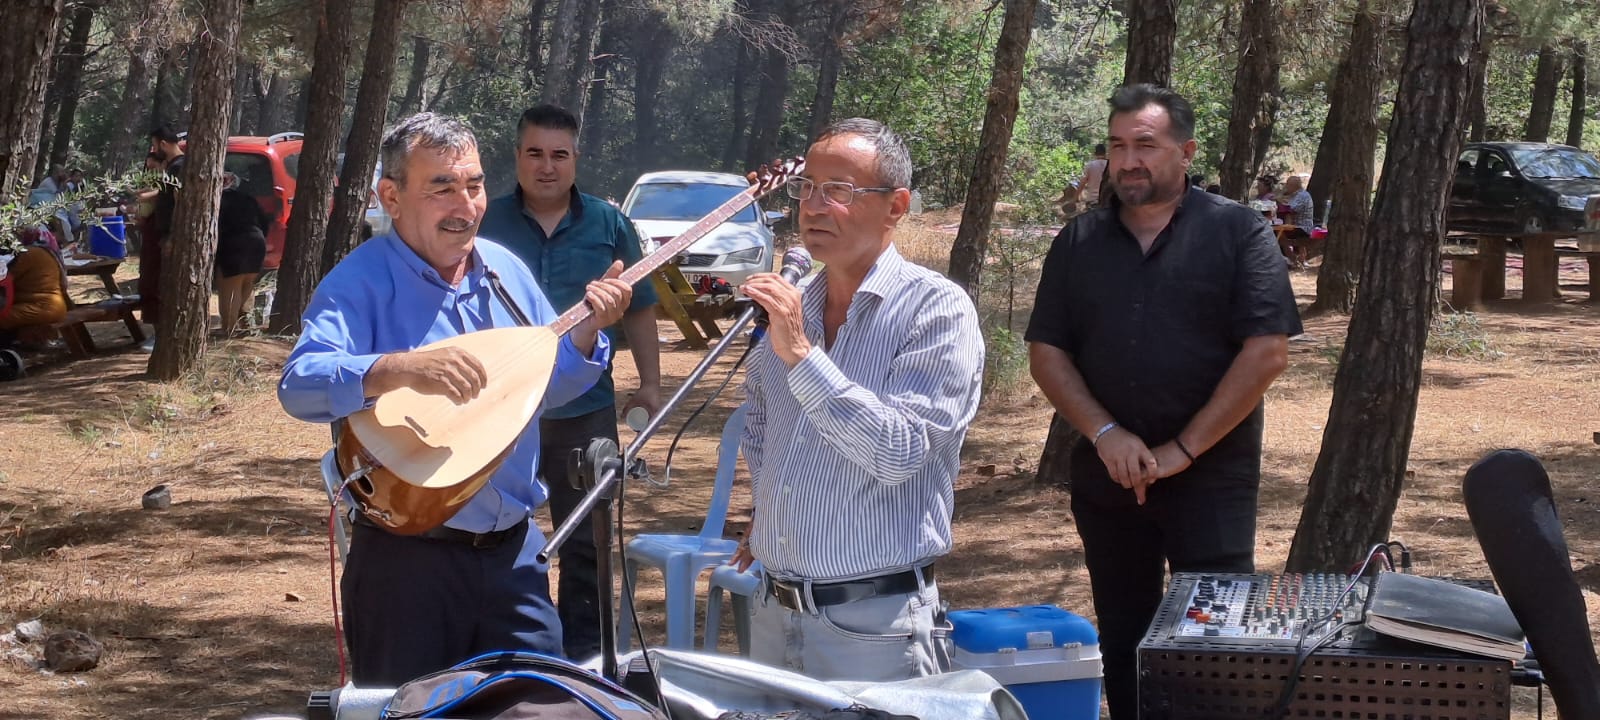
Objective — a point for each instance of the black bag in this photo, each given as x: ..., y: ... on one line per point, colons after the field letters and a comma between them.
x: 517, y: 686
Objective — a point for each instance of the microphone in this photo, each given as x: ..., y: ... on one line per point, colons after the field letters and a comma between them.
x: 796, y: 265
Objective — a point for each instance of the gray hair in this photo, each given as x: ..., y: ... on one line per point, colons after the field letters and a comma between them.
x: 893, y: 164
x: 423, y: 130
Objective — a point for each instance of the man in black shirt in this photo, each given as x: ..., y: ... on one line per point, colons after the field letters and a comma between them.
x: 1160, y: 321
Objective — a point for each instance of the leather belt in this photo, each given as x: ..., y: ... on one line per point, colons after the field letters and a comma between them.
x: 478, y: 541
x: 794, y: 595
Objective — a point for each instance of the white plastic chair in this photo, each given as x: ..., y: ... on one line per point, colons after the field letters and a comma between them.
x: 742, y: 586
x: 332, y: 482
x: 682, y: 557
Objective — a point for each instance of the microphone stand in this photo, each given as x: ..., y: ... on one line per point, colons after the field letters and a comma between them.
x: 597, y: 470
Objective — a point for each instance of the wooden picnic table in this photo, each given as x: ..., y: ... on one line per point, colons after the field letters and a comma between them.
x: 1481, y: 276
x: 103, y: 267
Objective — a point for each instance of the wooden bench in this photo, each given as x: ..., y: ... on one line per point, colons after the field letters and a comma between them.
x: 1479, y: 275
x: 72, y: 329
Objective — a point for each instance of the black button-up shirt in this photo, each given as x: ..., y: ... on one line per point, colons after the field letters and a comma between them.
x: 1153, y: 334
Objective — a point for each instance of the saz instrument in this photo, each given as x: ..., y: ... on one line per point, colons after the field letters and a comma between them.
x: 412, y: 460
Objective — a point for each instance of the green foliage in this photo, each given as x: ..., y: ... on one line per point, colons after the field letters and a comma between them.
x: 1461, y: 335
x: 1005, y: 362
x: 928, y: 80
x: 18, y: 214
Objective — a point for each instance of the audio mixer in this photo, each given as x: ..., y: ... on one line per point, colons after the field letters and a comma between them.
x: 1266, y: 607
x: 1224, y: 646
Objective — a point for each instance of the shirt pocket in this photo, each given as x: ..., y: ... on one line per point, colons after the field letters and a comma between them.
x: 571, y: 268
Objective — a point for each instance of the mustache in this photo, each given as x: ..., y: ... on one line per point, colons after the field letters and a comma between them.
x: 456, y: 226
x: 1126, y: 174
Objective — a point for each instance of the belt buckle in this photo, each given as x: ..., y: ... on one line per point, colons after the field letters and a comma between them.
x: 789, y: 596
x: 486, y: 540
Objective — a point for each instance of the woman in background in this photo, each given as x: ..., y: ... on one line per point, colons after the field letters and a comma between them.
x: 241, y: 250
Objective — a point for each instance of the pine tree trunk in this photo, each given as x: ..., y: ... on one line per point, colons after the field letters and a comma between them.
x: 52, y: 107
x: 531, y: 41
x: 164, y: 102
x: 1477, y: 107
x: 653, y: 48
x: 243, y: 79
x: 831, y: 57
x: 1321, y: 184
x: 615, y: 26
x: 185, y: 105
x: 186, y: 291
x: 1357, y: 479
x: 412, y: 103
x: 1255, y: 81
x: 999, y: 120
x: 1361, y: 74
x: 135, y: 95
x: 1055, y: 463
x: 273, y: 91
x: 737, y: 113
x: 593, y: 136
x: 27, y: 46
x: 366, y: 131
x: 1152, y: 31
x: 1580, y: 81
x: 308, y: 223
x: 576, y: 79
x: 1546, y: 82
x: 767, y: 120
x: 70, y: 79
x: 562, y: 37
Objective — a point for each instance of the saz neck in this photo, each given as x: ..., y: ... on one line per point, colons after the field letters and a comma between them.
x: 642, y: 269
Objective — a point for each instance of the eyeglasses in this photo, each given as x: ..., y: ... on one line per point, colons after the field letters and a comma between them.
x: 838, y: 193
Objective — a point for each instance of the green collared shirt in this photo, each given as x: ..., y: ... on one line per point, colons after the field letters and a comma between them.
x: 593, y: 235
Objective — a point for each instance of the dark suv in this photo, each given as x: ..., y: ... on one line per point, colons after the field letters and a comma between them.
x: 1517, y: 188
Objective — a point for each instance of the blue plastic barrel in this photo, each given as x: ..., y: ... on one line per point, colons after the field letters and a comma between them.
x: 109, y: 238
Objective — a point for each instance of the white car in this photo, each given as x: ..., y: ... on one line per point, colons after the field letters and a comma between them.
x: 664, y: 204
x: 377, y: 219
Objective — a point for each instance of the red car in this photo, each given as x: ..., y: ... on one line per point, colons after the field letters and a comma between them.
x: 267, y: 168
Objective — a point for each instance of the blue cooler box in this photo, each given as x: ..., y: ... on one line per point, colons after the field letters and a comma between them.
x: 109, y: 238
x: 1047, y: 657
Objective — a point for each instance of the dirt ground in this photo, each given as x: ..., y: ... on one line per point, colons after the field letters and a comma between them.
x: 219, y: 607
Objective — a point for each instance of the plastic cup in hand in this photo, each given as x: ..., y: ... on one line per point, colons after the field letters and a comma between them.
x: 638, y: 418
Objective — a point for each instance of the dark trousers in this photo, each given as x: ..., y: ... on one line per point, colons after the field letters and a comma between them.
x: 577, y: 594
x: 149, y: 274
x: 1191, y: 522
x: 416, y: 605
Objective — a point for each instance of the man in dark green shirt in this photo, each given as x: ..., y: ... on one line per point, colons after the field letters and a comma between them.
x: 568, y: 238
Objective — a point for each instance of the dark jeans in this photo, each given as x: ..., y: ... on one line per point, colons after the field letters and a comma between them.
x: 1191, y: 522
x: 577, y: 595
x: 416, y: 605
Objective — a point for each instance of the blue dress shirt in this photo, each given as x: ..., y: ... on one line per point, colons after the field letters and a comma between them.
x: 384, y: 298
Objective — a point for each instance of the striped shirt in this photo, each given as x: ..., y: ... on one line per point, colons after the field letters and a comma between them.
x: 854, y: 451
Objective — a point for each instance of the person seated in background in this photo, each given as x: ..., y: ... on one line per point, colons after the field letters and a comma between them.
x: 31, y: 291
x: 1301, y: 211
x: 241, y: 251
x: 1263, y: 189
